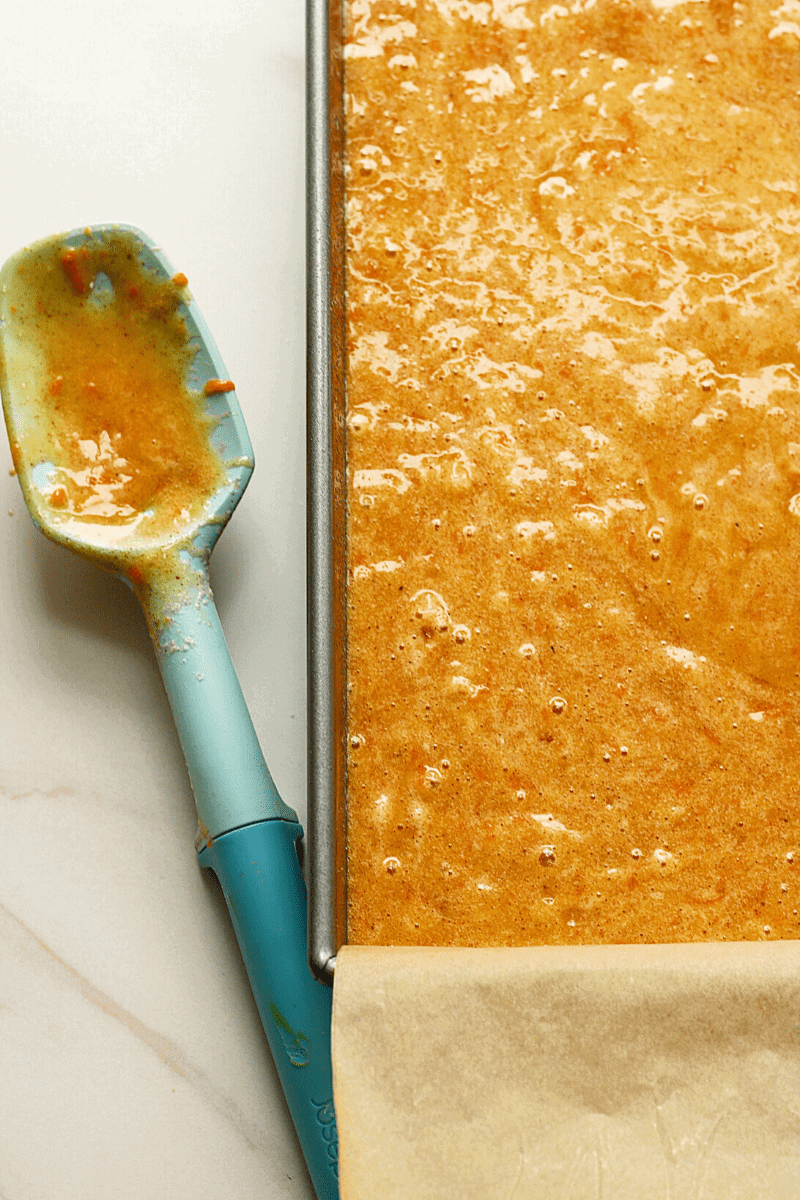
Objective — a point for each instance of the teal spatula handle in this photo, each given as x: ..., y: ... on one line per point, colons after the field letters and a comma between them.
x: 260, y: 875
x: 248, y: 838
x: 231, y: 781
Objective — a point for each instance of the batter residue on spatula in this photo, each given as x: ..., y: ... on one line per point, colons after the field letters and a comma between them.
x: 115, y: 438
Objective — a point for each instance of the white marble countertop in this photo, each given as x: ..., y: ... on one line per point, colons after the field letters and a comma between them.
x: 132, y: 1061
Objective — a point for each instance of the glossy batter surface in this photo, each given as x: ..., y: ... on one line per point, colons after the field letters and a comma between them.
x: 574, y: 471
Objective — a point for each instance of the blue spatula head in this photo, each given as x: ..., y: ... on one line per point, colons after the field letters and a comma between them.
x: 125, y: 430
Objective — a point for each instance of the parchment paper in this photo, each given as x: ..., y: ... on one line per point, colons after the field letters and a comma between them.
x: 574, y: 1073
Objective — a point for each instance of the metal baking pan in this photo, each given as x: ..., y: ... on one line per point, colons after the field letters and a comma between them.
x: 327, y: 494
x: 326, y: 497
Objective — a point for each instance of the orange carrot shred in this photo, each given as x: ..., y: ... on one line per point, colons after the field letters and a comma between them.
x: 70, y: 265
x: 215, y: 386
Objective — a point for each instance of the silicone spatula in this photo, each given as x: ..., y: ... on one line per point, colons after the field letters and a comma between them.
x: 131, y: 450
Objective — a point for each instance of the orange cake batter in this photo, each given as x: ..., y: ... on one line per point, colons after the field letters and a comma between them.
x: 573, y: 409
x: 107, y: 382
